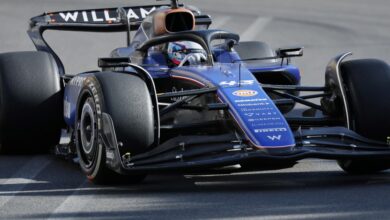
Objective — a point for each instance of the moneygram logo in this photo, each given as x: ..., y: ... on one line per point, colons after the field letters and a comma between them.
x: 245, y: 93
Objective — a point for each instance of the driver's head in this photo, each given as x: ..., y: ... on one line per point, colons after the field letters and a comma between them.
x: 181, y: 52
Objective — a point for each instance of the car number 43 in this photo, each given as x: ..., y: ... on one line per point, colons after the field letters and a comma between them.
x: 235, y: 83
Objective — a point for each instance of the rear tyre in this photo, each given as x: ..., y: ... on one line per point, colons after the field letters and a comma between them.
x: 126, y: 99
x: 368, y: 93
x: 31, y: 102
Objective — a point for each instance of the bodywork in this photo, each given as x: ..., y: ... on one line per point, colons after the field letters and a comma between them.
x: 231, y: 97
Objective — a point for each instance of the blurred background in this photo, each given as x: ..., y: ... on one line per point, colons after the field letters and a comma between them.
x: 324, y: 28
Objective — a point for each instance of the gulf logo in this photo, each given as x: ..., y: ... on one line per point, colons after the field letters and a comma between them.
x: 245, y: 93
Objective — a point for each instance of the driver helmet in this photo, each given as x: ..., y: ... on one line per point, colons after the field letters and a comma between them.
x: 181, y: 52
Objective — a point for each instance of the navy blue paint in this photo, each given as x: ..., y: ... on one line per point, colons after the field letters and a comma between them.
x: 261, y: 121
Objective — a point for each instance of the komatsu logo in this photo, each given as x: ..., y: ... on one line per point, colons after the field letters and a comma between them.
x: 105, y: 16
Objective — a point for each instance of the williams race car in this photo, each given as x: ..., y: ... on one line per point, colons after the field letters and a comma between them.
x: 185, y: 98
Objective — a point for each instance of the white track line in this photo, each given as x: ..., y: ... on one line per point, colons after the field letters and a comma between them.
x: 73, y: 204
x: 86, y: 189
x: 23, y: 177
x: 325, y: 215
x: 258, y: 25
x: 220, y: 22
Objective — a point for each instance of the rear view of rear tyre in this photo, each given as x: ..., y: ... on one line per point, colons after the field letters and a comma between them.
x: 368, y: 93
x: 31, y: 102
x: 126, y: 99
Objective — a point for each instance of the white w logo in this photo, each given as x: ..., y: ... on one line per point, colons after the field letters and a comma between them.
x: 275, y: 137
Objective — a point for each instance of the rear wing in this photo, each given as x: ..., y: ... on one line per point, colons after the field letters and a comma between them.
x: 123, y: 19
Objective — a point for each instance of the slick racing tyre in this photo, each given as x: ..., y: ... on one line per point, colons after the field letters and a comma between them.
x: 368, y: 93
x: 126, y: 99
x: 31, y: 102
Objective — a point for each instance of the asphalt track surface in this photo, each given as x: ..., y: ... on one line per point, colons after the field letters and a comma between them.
x: 45, y: 187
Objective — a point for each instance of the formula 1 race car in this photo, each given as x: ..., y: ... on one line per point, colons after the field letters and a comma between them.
x: 182, y: 97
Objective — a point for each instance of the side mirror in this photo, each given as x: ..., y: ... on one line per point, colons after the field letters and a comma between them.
x: 290, y: 52
x: 230, y: 44
x: 113, y: 62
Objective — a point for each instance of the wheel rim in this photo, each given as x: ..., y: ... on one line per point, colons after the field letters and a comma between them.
x: 88, y: 134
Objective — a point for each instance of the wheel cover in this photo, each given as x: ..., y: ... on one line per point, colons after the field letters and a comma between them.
x: 88, y: 134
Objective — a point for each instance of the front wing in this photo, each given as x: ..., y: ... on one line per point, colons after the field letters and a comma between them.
x: 202, y: 153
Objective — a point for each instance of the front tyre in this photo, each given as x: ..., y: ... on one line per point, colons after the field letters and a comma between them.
x: 90, y: 151
x: 368, y: 94
x: 125, y: 98
x: 363, y: 166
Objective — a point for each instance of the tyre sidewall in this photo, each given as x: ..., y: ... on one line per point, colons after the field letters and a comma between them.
x: 98, y: 173
x: 369, y: 116
x: 91, y: 89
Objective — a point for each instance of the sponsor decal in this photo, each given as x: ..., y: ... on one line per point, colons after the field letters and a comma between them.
x: 77, y: 81
x: 262, y: 118
x: 110, y: 155
x: 95, y: 93
x: 66, y: 109
x: 268, y: 124
x: 175, y: 99
x: 268, y: 130
x: 256, y: 109
x: 245, y: 93
x: 99, y: 15
x: 235, y: 83
x: 250, y: 100
x: 262, y: 114
x: 252, y: 104
x: 275, y: 137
